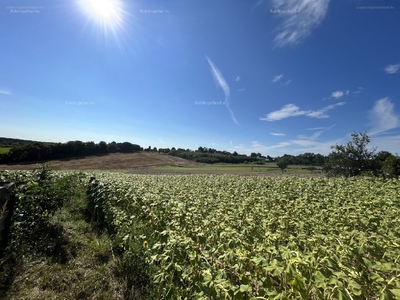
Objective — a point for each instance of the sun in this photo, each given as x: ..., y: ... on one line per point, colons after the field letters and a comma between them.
x: 102, y: 10
x: 105, y: 13
x: 107, y: 19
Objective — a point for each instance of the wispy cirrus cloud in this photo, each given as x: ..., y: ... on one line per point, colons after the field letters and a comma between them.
x: 383, y: 117
x: 321, y: 113
x: 277, y: 134
x: 241, y: 90
x: 299, y: 18
x: 294, y: 146
x: 277, y: 78
x: 316, y: 134
x: 287, y: 82
x: 359, y: 90
x: 5, y: 92
x: 221, y: 82
x: 317, y: 128
x: 238, y: 78
x: 258, y: 3
x: 391, y: 69
x: 292, y: 110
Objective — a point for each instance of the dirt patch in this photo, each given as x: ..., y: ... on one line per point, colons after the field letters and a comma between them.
x: 112, y: 161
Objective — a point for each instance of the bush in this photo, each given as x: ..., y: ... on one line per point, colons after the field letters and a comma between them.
x: 36, y: 202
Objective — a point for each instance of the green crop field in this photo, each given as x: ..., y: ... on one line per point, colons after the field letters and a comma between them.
x: 4, y: 150
x: 233, y: 237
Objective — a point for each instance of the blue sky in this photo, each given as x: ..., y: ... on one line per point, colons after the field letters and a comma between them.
x: 272, y: 76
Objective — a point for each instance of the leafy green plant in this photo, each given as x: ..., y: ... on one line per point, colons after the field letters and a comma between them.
x: 38, y: 195
x: 232, y: 237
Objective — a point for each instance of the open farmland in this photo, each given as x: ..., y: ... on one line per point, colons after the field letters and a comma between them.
x: 232, y: 237
x: 155, y: 163
x: 112, y: 161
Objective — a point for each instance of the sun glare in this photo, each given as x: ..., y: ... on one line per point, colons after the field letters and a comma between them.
x: 108, y: 18
x: 105, y: 13
x: 102, y: 9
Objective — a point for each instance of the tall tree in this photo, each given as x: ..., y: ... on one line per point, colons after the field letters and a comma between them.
x: 283, y: 163
x: 351, y: 159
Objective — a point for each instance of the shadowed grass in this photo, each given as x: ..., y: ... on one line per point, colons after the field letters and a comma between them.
x: 79, y: 262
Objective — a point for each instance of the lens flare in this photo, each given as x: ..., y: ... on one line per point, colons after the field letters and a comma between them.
x: 107, y: 17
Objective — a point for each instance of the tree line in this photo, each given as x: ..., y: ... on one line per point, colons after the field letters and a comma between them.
x: 26, y: 151
x: 352, y: 159
x: 39, y: 151
x: 355, y: 158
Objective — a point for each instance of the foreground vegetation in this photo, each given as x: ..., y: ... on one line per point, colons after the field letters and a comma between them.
x: 54, y: 250
x: 229, y: 237
x: 121, y: 236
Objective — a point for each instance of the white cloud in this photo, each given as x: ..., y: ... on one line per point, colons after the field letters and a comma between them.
x: 359, y: 90
x: 299, y: 18
x: 383, y: 116
x: 161, y: 141
x: 278, y: 134
x: 238, y: 78
x: 289, y: 81
x: 277, y: 78
x: 391, y: 69
x: 241, y: 90
x: 221, y: 82
x: 337, y: 94
x: 291, y: 110
x: 320, y: 113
